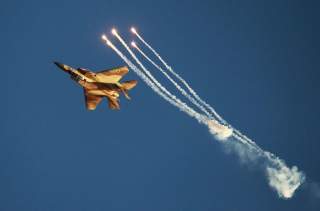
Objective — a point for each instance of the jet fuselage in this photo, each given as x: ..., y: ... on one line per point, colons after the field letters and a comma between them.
x: 92, y: 85
x: 97, y: 85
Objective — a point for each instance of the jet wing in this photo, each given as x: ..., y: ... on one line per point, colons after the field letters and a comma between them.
x: 111, y: 76
x: 91, y: 100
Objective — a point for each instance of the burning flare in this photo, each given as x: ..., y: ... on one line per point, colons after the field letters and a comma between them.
x: 133, y: 44
x: 114, y: 31
x: 104, y: 37
x: 133, y: 30
x: 281, y: 178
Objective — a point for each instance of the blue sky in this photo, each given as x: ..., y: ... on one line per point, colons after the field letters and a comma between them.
x: 256, y: 62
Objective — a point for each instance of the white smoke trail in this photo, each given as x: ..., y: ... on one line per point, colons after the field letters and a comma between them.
x: 212, y: 110
x: 184, y: 82
x: 183, y: 92
x: 281, y: 178
x: 179, y: 103
x: 152, y: 85
x: 216, y: 130
x: 228, y: 129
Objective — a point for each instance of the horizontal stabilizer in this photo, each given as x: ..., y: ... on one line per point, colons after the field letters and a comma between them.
x: 127, y: 85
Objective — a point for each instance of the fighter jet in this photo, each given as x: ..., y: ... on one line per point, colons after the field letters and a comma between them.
x: 97, y: 85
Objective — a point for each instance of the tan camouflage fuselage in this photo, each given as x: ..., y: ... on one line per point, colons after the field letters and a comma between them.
x: 94, y: 88
x: 101, y: 84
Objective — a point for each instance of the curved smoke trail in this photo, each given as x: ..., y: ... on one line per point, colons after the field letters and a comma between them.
x: 183, y: 92
x: 281, y: 178
x: 154, y: 87
x: 184, y: 82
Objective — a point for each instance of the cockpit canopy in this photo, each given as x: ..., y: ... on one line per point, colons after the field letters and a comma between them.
x: 83, y: 69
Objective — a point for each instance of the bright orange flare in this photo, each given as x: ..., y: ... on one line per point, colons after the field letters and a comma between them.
x: 104, y: 37
x: 133, y: 30
x: 114, y: 31
x: 133, y: 44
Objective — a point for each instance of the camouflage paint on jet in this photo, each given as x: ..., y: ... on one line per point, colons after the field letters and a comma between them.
x: 102, y: 84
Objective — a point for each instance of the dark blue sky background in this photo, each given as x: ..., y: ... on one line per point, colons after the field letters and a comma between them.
x: 256, y: 62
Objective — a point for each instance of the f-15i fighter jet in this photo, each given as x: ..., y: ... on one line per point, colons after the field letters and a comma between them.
x: 101, y: 84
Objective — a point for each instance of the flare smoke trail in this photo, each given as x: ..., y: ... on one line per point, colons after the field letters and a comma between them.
x: 179, y: 103
x: 281, y: 178
x: 134, y: 31
x: 212, y: 110
x: 152, y: 85
x: 195, y: 95
x: 183, y: 92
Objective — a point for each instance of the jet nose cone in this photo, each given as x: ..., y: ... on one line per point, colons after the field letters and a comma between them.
x: 64, y: 67
x: 59, y: 65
